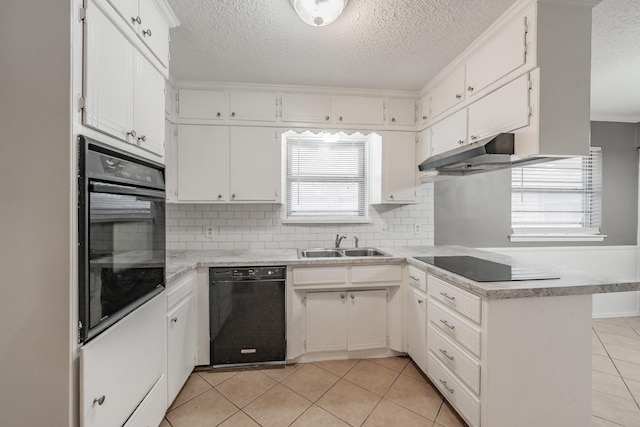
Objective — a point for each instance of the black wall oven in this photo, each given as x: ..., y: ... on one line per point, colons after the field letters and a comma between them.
x: 121, y: 218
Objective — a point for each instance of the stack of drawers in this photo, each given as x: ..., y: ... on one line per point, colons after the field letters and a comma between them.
x: 453, y: 342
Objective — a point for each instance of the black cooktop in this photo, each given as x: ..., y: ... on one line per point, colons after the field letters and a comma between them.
x: 481, y: 270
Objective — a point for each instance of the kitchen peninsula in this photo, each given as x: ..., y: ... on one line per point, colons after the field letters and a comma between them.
x: 527, y: 343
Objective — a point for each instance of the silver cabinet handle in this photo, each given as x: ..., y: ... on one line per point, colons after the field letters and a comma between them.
x: 99, y: 400
x: 414, y: 278
x: 444, y: 294
x: 175, y: 320
x: 445, y: 354
x: 131, y: 133
x: 393, y: 119
x: 340, y: 118
x: 470, y: 88
x: 233, y: 114
x: 420, y: 301
x: 146, y: 33
x: 445, y: 323
x: 460, y: 141
x: 219, y: 196
x: 352, y: 296
x: 458, y: 96
x: 136, y: 19
x: 342, y: 296
x: 391, y: 196
x: 444, y: 384
x: 424, y: 117
x: 218, y: 114
x: 142, y: 138
x: 473, y: 137
x: 233, y: 196
x: 326, y: 117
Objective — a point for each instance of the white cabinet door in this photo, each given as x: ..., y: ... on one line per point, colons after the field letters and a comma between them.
x: 306, y: 108
x: 254, y: 164
x: 358, y: 110
x: 449, y: 133
x: 425, y: 108
x: 260, y: 106
x: 400, y: 111
x: 154, y: 31
x: 367, y: 320
x: 203, y: 163
x: 148, y: 117
x: 448, y: 93
x: 424, y: 149
x: 108, y: 77
x: 504, y: 53
x: 416, y: 327
x: 325, y: 321
x: 504, y: 110
x: 399, y: 167
x: 170, y: 172
x: 181, y: 346
x: 202, y: 104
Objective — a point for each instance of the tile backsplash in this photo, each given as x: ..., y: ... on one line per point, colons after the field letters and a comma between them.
x: 259, y: 226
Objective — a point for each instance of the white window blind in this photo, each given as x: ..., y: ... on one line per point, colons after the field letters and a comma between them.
x: 561, y: 196
x: 326, y: 179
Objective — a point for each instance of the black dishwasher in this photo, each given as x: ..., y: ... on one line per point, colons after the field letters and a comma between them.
x: 247, y: 315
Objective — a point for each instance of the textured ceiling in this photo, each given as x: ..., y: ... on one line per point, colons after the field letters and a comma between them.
x: 615, y: 69
x: 381, y: 44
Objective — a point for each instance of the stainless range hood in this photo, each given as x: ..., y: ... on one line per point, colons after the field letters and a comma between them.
x: 489, y: 154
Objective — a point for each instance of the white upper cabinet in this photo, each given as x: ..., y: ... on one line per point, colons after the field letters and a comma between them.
x: 395, y: 155
x: 502, y: 54
x: 254, y: 164
x: 124, y: 94
x: 250, y: 106
x: 400, y: 111
x: 359, y: 110
x: 202, y: 163
x: 306, y: 108
x: 504, y: 110
x: 425, y: 108
x: 448, y: 93
x: 449, y: 133
x: 202, y: 104
x: 146, y: 20
x: 424, y: 149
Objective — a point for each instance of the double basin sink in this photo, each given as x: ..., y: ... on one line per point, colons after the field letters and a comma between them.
x: 338, y: 253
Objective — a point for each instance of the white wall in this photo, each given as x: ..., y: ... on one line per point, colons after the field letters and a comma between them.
x: 619, y: 262
x: 259, y: 226
x: 36, y: 243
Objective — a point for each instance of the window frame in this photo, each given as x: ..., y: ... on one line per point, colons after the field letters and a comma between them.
x: 326, y: 137
x: 563, y: 234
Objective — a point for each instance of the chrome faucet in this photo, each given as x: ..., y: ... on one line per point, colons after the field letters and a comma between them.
x: 355, y: 238
x: 338, y: 240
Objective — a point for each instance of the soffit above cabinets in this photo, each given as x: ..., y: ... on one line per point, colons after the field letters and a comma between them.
x: 375, y: 44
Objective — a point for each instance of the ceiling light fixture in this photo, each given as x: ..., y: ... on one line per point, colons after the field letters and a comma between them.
x: 319, y: 12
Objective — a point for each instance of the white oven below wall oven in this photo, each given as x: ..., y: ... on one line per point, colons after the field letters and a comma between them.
x: 122, y: 306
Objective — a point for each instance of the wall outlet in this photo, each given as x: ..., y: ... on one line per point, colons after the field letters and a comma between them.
x: 417, y: 228
x: 209, y: 231
x: 384, y: 228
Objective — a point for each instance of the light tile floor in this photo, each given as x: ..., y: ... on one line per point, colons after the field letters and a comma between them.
x: 386, y: 392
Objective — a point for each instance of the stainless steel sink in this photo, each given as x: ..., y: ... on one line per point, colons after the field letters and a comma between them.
x: 337, y: 253
x: 363, y: 252
x: 319, y: 253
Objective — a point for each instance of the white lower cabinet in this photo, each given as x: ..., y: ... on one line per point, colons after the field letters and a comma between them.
x: 416, y: 327
x: 354, y: 320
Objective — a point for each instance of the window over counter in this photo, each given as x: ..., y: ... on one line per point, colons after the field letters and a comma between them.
x: 326, y: 177
x: 558, y: 200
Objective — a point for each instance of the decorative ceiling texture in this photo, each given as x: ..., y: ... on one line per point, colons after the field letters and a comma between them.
x: 615, y: 61
x: 380, y: 44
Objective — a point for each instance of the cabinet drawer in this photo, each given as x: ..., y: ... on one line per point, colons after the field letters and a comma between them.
x: 454, y: 358
x: 319, y: 275
x: 376, y: 273
x: 179, y: 289
x: 467, y: 405
x: 417, y: 278
x: 454, y: 327
x: 456, y: 298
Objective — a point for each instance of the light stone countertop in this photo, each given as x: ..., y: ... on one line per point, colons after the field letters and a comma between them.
x: 571, y: 282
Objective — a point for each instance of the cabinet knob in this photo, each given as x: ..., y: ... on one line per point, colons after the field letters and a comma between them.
x: 233, y: 196
x: 420, y: 301
x: 233, y: 114
x: 460, y: 141
x: 219, y: 196
x: 470, y: 88
x: 352, y: 296
x: 339, y: 118
x: 218, y: 114
x: 424, y: 117
x: 458, y: 96
x: 174, y: 320
x: 99, y: 400
x: 342, y: 296
x: 131, y: 133
x: 326, y: 118
x: 146, y: 33
x: 444, y: 383
x: 136, y: 20
x: 142, y: 138
x: 391, y: 196
x: 393, y: 119
x: 473, y: 137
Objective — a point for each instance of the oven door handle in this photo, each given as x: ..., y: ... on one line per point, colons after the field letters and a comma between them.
x: 100, y: 187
